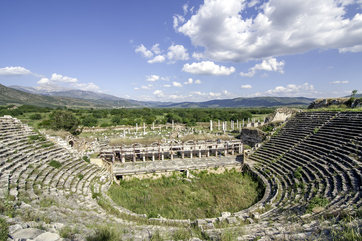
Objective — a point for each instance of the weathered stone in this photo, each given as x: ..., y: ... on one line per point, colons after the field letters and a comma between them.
x: 210, y: 225
x: 14, y: 228
x: 47, y: 237
x: 200, y: 222
x: 225, y: 214
x: 256, y: 216
x: 231, y: 220
x: 250, y: 220
x: 29, y: 233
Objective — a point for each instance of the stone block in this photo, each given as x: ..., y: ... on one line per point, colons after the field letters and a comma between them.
x: 14, y: 228
x: 250, y: 220
x: 200, y: 222
x: 225, y: 214
x: 231, y: 220
x: 256, y: 216
x: 47, y: 237
x: 29, y: 233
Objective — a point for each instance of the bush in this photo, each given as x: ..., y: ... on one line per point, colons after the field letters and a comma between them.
x: 317, y: 202
x: 86, y: 159
x: 55, y: 164
x: 36, y: 116
x: 4, y: 230
x: 90, y: 121
x: 102, y: 234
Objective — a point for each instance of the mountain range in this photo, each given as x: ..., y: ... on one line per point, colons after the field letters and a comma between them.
x: 54, y: 96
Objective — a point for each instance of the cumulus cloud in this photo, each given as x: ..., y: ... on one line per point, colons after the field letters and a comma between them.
x: 177, y: 20
x: 198, y: 81
x: 176, y: 84
x: 156, y: 49
x: 268, y: 65
x: 60, y: 78
x: 177, y: 52
x: 153, y: 78
x: 280, y: 27
x: 185, y: 7
x: 157, y: 59
x: 144, y: 51
x: 86, y: 86
x: 246, y: 86
x: 14, y: 71
x: 158, y: 93
x: 167, y: 86
x: 148, y: 87
x: 189, y: 82
x: 339, y: 82
x: 207, y: 68
x: 43, y: 81
x: 290, y: 90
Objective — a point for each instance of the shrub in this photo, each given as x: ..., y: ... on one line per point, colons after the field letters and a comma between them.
x: 36, y: 116
x: 102, y: 234
x: 55, y: 164
x: 80, y: 176
x: 90, y: 121
x: 317, y: 202
x: 4, y: 230
x: 86, y: 159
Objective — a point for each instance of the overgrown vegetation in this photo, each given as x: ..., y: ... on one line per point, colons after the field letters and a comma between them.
x: 55, y: 164
x: 316, y: 202
x: 175, y: 197
x: 4, y: 230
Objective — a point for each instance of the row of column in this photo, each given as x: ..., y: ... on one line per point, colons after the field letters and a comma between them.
x: 161, y: 155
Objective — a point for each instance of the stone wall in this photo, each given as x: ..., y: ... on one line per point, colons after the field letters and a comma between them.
x: 281, y: 115
x: 322, y: 103
x: 251, y: 136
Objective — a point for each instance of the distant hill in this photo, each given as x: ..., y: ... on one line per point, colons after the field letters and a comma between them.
x: 246, y: 102
x: 53, y: 95
x: 12, y: 96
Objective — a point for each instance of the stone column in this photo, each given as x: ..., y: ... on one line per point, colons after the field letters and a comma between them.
x: 199, y: 153
x: 226, y: 125
x: 243, y: 122
x: 153, y: 156
x: 191, y: 154
x: 153, y: 126
x: 210, y: 125
x: 248, y: 120
x: 218, y: 124
x: 173, y: 125
x: 143, y: 157
x: 144, y: 128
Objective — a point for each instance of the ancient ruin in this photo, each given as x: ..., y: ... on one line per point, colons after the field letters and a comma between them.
x: 315, y: 155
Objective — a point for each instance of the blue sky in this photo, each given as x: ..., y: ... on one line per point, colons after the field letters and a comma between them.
x: 184, y: 50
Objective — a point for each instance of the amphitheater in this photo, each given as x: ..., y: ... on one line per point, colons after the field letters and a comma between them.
x: 315, y: 154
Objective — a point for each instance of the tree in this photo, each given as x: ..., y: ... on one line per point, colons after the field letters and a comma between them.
x: 90, y: 121
x: 35, y: 116
x: 354, y: 92
x: 63, y: 119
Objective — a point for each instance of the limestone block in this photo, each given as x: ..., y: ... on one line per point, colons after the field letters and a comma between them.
x: 47, y: 237
x: 14, y: 228
x: 231, y: 220
x: 29, y: 233
x: 256, y: 216
x: 250, y: 220
x: 200, y: 222
x: 225, y: 214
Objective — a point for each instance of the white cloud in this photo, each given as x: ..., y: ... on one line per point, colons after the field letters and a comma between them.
x: 290, y: 90
x: 148, y: 87
x: 189, y: 82
x: 144, y: 51
x: 246, y: 86
x: 156, y: 49
x: 177, y: 52
x: 43, y: 81
x: 198, y: 81
x: 280, y: 27
x: 167, y: 86
x: 176, y: 84
x: 64, y: 79
x: 86, y: 86
x: 207, y: 68
x: 136, y: 88
x: 339, y: 82
x: 269, y: 65
x: 14, y: 71
x: 158, y: 93
x: 198, y: 93
x: 165, y: 78
x: 214, y: 94
x: 197, y: 56
x: 177, y: 20
x: 157, y: 59
x: 153, y: 78
x: 184, y: 7
x: 253, y: 3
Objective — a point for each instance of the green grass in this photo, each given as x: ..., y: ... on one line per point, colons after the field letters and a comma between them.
x: 176, y: 198
x: 55, y: 164
x: 4, y: 231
